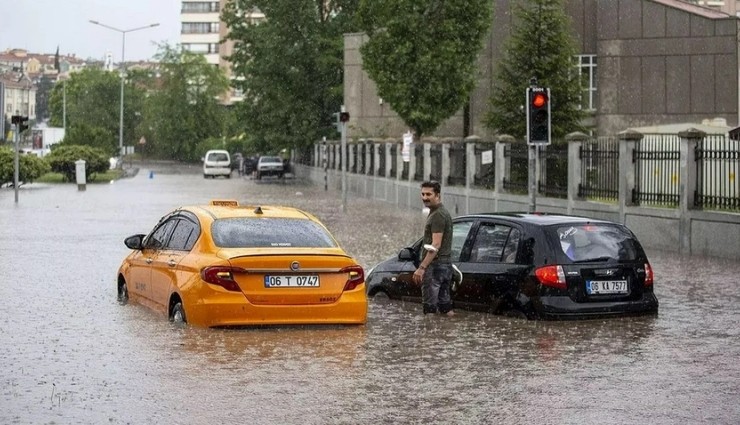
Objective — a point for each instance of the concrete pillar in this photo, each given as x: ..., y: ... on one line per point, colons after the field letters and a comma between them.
x: 687, y: 183
x: 445, y: 174
x: 575, y: 143
x: 627, y: 143
x: 80, y: 174
x: 502, y: 163
x: 427, y: 161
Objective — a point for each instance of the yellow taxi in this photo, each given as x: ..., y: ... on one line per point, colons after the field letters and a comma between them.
x: 225, y: 264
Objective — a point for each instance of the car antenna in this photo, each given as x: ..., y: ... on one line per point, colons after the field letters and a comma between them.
x: 258, y: 210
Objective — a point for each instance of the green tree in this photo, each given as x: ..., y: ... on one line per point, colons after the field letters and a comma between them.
x: 30, y: 167
x: 97, y: 137
x: 422, y: 55
x: 540, y: 46
x: 62, y: 160
x: 93, y: 99
x: 183, y: 109
x: 289, y: 67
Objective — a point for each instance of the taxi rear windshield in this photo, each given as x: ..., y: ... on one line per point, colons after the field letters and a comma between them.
x: 270, y: 233
x: 598, y: 242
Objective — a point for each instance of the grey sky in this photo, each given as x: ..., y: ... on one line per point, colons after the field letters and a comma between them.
x: 40, y: 25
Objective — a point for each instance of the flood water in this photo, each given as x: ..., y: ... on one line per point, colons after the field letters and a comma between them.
x: 69, y: 353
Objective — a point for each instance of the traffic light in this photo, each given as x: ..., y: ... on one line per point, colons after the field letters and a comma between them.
x: 21, y: 121
x: 344, y: 116
x: 538, y: 116
x: 339, y: 118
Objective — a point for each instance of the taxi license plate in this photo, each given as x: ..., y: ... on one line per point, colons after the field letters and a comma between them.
x: 601, y: 287
x: 292, y: 281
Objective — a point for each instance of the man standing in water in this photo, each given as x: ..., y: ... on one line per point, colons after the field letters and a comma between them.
x: 435, y: 270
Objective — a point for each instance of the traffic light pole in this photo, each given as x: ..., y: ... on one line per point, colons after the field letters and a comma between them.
x: 532, y: 177
x: 344, y: 163
x: 16, y: 165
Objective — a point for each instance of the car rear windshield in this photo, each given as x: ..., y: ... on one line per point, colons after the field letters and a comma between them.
x: 271, y: 159
x: 218, y: 157
x: 598, y: 242
x: 270, y: 233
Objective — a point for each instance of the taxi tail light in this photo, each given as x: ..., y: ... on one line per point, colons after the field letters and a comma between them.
x: 648, y: 275
x: 552, y: 276
x: 356, y: 277
x: 222, y: 276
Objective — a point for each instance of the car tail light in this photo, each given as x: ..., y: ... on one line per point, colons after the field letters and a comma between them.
x: 222, y: 276
x: 552, y: 276
x: 648, y: 275
x: 356, y: 277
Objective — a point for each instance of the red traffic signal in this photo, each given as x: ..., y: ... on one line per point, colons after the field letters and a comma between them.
x: 539, y: 100
x: 344, y: 116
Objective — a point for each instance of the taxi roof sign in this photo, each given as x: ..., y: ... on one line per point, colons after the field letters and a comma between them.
x: 224, y: 203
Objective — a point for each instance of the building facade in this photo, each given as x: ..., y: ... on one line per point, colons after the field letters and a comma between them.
x: 647, y: 62
x: 202, y: 32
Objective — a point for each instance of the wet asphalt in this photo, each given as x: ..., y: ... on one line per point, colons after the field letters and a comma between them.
x: 70, y: 354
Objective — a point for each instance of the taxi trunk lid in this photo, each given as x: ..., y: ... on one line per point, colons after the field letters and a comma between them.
x: 284, y: 279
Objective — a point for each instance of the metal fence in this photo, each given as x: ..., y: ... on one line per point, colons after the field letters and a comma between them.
x: 599, y: 169
x: 656, y: 158
x: 717, y: 173
x: 553, y: 179
x: 458, y: 165
x: 485, y: 170
x: 518, y: 157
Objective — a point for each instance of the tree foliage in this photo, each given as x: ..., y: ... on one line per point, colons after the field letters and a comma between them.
x: 30, y: 167
x: 98, y: 137
x: 422, y: 55
x: 289, y: 67
x: 43, y: 92
x: 63, y: 157
x: 182, y: 108
x: 93, y: 98
x: 540, y: 46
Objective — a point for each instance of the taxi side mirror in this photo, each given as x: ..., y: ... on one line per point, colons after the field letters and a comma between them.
x: 134, y: 242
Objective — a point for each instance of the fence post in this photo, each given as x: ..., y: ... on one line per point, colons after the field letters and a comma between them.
x: 687, y: 177
x: 575, y: 143
x: 502, y: 167
x: 445, y: 172
x: 470, y: 143
x: 428, y: 158
x: 627, y: 143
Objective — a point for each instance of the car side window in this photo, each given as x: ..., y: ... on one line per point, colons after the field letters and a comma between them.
x: 490, y: 243
x: 460, y: 232
x: 184, y: 235
x: 159, y: 238
x: 512, y: 246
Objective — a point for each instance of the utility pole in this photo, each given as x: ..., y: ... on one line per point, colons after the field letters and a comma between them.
x: 343, y: 118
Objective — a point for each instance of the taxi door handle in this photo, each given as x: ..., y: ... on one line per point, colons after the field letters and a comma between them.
x: 149, y: 261
x: 171, y: 263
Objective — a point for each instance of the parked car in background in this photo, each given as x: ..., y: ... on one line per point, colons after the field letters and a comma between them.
x: 217, y: 163
x: 269, y: 166
x: 538, y: 266
x: 225, y: 264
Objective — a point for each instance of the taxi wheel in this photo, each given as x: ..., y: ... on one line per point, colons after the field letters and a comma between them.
x: 381, y: 297
x: 178, y: 314
x: 122, y: 292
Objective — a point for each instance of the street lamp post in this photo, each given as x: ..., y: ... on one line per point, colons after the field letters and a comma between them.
x: 123, y: 71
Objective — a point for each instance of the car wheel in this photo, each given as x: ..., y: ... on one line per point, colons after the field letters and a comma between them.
x: 205, y: 176
x: 122, y: 292
x: 515, y: 313
x: 380, y: 296
x: 178, y: 314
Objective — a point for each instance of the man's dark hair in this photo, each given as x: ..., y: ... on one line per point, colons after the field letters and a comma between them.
x: 434, y: 185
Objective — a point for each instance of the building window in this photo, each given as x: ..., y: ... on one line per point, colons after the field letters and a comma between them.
x: 586, y: 66
x: 201, y: 47
x: 200, y: 27
x: 200, y: 7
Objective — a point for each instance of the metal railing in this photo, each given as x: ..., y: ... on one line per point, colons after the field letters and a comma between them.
x: 599, y: 169
x: 553, y: 180
x: 518, y: 155
x: 717, y: 173
x: 657, y: 170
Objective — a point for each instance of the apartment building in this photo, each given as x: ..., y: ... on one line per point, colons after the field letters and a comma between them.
x: 727, y: 6
x: 203, y: 32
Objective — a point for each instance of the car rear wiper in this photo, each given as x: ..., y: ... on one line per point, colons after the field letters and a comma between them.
x: 594, y: 260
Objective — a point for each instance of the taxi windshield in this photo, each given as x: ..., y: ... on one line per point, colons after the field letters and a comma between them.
x: 270, y: 233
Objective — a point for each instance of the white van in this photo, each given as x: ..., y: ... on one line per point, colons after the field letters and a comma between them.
x: 217, y: 163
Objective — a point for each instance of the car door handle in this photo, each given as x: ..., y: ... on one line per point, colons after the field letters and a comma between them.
x: 171, y: 263
x: 149, y: 261
x: 499, y: 278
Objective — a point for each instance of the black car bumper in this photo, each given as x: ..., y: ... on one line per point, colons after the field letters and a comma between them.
x: 563, y: 307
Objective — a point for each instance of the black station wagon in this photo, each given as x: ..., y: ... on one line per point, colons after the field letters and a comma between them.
x: 539, y: 266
